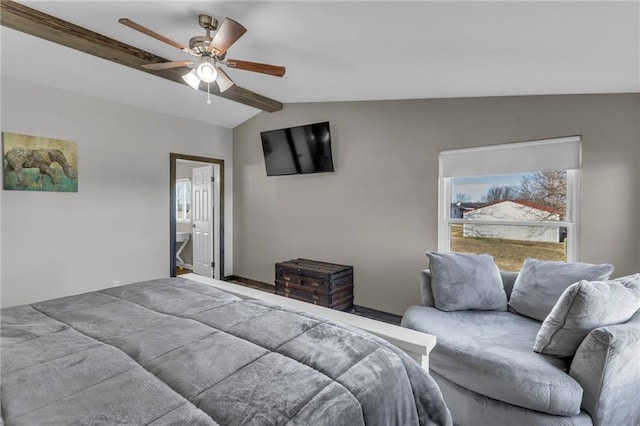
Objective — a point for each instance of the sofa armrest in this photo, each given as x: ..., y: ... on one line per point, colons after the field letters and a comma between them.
x: 425, y: 288
x: 607, y: 366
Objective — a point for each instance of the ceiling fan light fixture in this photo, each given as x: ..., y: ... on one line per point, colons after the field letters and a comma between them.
x: 207, y: 72
x: 223, y: 80
x: 191, y: 78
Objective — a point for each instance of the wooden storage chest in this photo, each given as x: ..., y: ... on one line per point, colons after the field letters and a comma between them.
x: 321, y: 283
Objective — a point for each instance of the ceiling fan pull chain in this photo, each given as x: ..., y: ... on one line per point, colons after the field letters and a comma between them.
x: 208, y: 94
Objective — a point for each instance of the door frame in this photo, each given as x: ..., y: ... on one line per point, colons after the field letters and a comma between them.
x: 173, y: 159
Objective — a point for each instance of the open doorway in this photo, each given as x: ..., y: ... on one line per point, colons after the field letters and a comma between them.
x: 196, y: 224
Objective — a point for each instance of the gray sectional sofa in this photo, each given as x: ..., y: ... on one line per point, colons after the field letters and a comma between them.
x: 489, y: 374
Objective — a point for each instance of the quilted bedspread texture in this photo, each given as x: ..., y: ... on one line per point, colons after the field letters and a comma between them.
x: 176, y: 352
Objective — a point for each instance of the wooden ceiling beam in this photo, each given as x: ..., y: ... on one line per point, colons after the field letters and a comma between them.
x: 33, y: 22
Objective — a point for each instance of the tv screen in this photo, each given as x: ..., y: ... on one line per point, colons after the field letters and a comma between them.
x: 298, y: 150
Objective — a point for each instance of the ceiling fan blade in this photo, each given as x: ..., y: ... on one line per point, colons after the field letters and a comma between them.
x: 257, y: 67
x: 223, y: 80
x: 167, y: 65
x: 144, y: 30
x: 228, y: 33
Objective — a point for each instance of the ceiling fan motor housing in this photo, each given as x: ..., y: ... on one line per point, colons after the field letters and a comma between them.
x: 207, y: 22
x: 199, y: 44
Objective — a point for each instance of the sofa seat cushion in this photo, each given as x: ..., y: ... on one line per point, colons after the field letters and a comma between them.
x: 490, y: 353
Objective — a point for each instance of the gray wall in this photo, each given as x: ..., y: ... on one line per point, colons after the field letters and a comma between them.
x: 117, y: 226
x: 377, y: 212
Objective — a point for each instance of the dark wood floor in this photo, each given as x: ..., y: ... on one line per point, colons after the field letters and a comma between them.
x: 357, y: 310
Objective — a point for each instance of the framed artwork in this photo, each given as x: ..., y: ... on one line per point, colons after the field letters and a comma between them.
x: 34, y: 163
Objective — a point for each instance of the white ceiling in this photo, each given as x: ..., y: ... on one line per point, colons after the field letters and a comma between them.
x: 344, y: 51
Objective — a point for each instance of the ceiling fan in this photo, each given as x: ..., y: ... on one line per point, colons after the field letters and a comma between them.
x: 211, y: 53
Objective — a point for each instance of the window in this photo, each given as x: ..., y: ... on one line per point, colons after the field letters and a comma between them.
x: 513, y: 201
x: 183, y: 200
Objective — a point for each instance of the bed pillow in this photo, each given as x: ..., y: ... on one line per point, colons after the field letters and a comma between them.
x: 584, y: 306
x: 462, y: 281
x: 540, y: 284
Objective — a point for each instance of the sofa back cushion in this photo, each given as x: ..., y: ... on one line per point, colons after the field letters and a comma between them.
x: 584, y: 306
x: 540, y: 284
x: 463, y: 281
x: 508, y: 279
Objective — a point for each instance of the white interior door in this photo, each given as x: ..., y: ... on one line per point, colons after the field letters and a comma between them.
x: 203, y: 221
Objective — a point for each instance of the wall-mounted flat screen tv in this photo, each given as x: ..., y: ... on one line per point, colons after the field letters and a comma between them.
x: 298, y: 150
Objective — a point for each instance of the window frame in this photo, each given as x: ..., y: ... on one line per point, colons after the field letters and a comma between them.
x: 571, y: 222
x: 182, y: 182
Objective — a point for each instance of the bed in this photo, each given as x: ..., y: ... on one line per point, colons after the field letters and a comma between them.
x: 178, y: 352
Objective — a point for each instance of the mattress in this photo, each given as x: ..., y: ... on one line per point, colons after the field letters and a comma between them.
x: 177, y: 352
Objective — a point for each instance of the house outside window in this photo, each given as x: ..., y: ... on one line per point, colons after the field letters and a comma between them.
x: 183, y: 200
x: 512, y: 201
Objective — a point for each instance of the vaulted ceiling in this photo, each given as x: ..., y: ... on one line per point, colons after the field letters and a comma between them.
x: 346, y: 51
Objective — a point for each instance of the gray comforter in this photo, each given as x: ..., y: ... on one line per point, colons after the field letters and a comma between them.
x: 177, y: 352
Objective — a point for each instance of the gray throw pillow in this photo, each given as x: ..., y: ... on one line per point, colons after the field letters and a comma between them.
x: 462, y: 281
x: 540, y: 284
x: 584, y: 306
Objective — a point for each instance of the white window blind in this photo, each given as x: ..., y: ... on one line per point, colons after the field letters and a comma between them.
x: 531, y: 156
